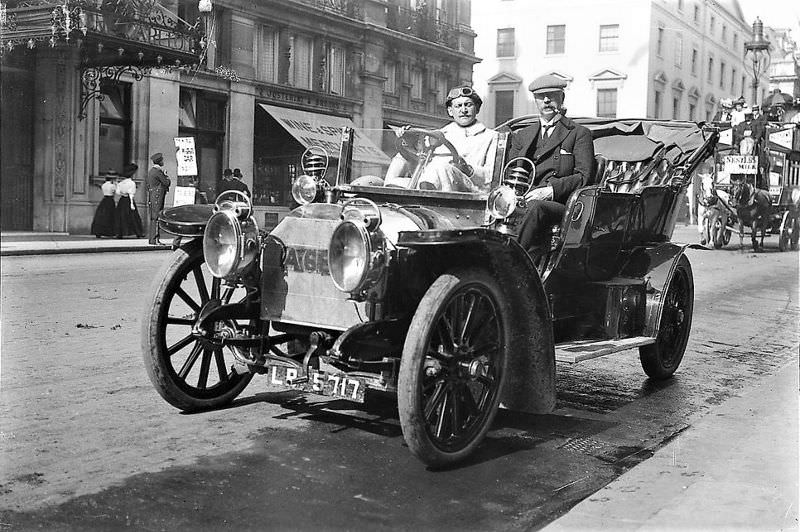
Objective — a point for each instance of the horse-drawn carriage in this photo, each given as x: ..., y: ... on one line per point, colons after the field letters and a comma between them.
x: 369, y: 287
x: 755, y: 183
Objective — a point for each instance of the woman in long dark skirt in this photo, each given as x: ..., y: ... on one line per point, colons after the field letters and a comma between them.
x: 103, y: 223
x: 128, y: 221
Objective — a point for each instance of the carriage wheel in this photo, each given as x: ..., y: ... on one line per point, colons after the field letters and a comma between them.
x: 189, y: 373
x: 661, y: 359
x: 453, y: 367
x: 785, y: 236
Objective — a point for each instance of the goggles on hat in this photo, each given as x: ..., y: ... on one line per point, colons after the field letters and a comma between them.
x: 459, y: 92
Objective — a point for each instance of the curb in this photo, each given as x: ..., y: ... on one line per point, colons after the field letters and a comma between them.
x: 76, y: 250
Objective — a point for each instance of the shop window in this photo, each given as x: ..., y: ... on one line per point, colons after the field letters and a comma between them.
x: 115, y: 126
x: 202, y: 116
x: 607, y: 103
x: 267, y: 55
x: 336, y: 69
x: 276, y: 154
x: 503, y: 106
x: 300, y: 62
x: 556, y: 39
x: 609, y: 38
x: 505, y: 42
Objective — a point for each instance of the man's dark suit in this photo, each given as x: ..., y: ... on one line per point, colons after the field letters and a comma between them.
x: 157, y: 186
x: 563, y: 161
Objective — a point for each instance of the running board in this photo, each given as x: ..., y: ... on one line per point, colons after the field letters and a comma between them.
x: 578, y: 351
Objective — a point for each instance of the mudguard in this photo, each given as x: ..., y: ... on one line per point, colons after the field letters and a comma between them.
x: 531, y: 373
x: 659, y: 265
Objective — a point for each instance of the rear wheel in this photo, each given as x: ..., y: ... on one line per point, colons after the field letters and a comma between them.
x: 190, y: 373
x: 453, y: 367
x: 661, y: 359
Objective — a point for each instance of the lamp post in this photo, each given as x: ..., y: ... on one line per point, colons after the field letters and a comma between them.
x: 758, y: 55
x: 204, y: 7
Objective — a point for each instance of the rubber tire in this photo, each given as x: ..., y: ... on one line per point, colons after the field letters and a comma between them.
x: 154, y: 349
x: 795, y: 234
x: 660, y: 361
x: 410, y: 395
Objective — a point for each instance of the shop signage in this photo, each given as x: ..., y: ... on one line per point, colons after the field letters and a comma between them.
x: 184, y: 196
x: 740, y: 164
x: 314, y: 129
x: 783, y: 138
x: 186, y: 156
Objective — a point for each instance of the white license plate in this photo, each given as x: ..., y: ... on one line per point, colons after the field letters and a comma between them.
x: 331, y: 384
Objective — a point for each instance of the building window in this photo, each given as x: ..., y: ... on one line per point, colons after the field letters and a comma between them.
x: 679, y: 51
x: 695, y: 55
x: 680, y: 5
x: 724, y: 34
x: 390, y: 73
x: 743, y: 84
x: 722, y: 74
x: 609, y: 38
x: 696, y: 14
x: 301, y: 62
x: 712, y: 26
x: 710, y: 73
x: 735, y: 42
x: 692, y: 111
x: 442, y: 86
x: 676, y: 107
x: 657, y: 105
x: 503, y: 106
x: 556, y: 39
x: 336, y: 69
x: 416, y: 84
x: 267, y: 55
x: 115, y: 126
x: 505, y: 42
x: 733, y: 81
x: 607, y: 103
x: 660, y: 41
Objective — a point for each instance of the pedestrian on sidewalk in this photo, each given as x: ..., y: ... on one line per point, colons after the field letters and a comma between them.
x: 128, y: 220
x: 103, y: 221
x: 157, y: 186
x: 230, y: 181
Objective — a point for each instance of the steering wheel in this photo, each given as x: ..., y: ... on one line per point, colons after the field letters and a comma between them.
x: 435, y: 139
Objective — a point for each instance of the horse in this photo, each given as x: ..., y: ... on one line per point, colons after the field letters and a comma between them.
x: 713, y: 212
x: 753, y: 206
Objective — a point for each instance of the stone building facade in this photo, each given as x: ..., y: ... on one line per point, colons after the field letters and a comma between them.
x: 88, y: 101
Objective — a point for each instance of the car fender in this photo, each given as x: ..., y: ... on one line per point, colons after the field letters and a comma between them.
x: 661, y: 262
x: 530, y: 386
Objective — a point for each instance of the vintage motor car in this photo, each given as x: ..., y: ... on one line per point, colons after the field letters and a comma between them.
x: 377, y: 285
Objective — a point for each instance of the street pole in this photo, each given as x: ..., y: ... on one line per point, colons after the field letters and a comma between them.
x: 757, y: 51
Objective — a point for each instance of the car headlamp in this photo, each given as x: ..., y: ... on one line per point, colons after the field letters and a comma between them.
x: 229, y: 244
x: 349, y: 255
x: 502, y: 202
x: 305, y: 189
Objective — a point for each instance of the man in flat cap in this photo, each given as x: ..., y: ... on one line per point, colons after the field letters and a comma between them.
x: 563, y: 153
x: 157, y: 186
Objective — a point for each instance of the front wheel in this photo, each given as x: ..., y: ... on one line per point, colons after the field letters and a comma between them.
x: 190, y: 373
x: 453, y: 366
x: 661, y: 359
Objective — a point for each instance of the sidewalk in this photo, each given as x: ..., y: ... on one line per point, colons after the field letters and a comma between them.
x: 14, y: 243
x: 735, y: 469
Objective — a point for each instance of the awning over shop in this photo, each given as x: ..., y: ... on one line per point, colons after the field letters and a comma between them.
x: 313, y: 129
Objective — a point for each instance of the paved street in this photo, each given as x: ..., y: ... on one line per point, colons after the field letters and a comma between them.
x: 87, y: 443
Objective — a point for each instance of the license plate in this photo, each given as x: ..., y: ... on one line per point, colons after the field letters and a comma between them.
x: 337, y: 385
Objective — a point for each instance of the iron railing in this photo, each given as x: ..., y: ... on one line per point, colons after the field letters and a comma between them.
x: 422, y: 24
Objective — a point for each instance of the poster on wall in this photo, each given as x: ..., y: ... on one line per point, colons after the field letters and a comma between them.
x: 186, y: 156
x: 184, y: 196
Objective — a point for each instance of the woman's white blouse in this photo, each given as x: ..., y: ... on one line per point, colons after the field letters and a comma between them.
x: 108, y: 188
x: 127, y: 187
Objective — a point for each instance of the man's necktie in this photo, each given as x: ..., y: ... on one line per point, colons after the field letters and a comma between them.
x: 546, y: 129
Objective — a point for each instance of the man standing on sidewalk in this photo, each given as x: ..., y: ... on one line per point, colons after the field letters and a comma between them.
x: 157, y: 186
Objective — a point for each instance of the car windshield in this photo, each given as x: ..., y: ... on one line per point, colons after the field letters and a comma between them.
x: 419, y: 161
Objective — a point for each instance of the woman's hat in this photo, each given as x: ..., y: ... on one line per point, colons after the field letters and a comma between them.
x: 129, y: 169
